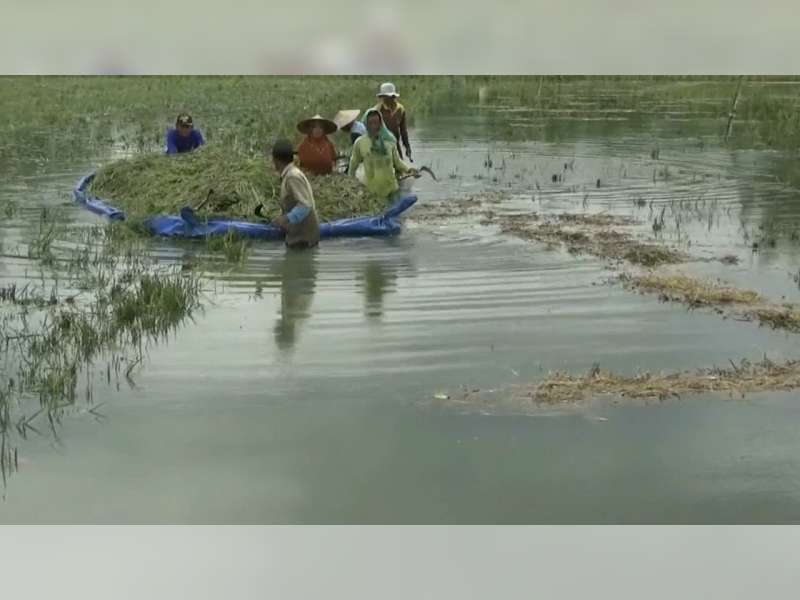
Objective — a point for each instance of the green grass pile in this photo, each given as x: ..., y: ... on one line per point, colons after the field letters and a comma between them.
x: 231, y: 184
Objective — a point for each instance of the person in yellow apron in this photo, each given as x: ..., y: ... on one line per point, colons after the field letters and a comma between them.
x: 377, y: 150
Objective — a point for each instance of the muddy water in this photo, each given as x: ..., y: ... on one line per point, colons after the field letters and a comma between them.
x: 302, y: 393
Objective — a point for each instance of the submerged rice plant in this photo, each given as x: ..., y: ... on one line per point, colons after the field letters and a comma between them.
x: 232, y: 246
x: 116, y: 302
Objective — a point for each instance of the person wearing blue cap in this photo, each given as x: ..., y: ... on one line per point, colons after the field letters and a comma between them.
x: 183, y: 137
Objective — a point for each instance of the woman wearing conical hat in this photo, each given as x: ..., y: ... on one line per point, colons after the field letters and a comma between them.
x: 347, y: 122
x: 316, y: 153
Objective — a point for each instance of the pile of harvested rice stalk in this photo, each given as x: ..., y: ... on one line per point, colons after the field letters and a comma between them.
x: 231, y: 185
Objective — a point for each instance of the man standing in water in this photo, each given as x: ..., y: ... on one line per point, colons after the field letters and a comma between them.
x: 378, y: 152
x: 299, y: 218
x: 394, y: 116
x: 183, y: 137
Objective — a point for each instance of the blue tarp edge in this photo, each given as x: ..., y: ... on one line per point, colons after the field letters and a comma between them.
x: 187, y: 226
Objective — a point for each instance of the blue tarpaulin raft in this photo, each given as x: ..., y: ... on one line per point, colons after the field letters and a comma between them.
x: 187, y: 225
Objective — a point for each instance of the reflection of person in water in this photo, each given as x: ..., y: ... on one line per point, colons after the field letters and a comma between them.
x: 297, y: 273
x: 377, y: 278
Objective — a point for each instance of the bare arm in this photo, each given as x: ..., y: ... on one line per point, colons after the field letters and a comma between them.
x: 399, y: 166
x: 404, y: 132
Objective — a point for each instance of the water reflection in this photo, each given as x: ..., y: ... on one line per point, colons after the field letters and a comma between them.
x: 297, y: 273
x: 770, y: 211
x: 377, y: 278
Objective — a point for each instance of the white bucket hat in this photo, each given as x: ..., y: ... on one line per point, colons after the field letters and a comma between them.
x: 387, y: 89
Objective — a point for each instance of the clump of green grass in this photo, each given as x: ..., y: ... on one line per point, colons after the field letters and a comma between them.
x: 232, y: 246
x: 49, y: 340
x: 651, y: 255
x: 8, y: 455
x: 151, y: 306
x: 48, y: 229
x: 135, y: 306
x: 224, y: 182
x: 9, y: 207
x: 26, y: 296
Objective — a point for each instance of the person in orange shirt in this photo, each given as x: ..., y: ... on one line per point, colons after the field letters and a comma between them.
x: 316, y: 153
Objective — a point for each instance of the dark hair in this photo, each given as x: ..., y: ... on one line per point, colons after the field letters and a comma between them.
x: 283, y: 151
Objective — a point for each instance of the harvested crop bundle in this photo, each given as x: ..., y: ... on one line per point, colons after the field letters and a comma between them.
x: 225, y: 183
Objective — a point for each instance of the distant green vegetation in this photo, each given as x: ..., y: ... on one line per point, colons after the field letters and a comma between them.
x: 46, y: 116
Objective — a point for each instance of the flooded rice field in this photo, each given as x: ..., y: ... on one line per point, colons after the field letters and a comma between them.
x: 326, y: 387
